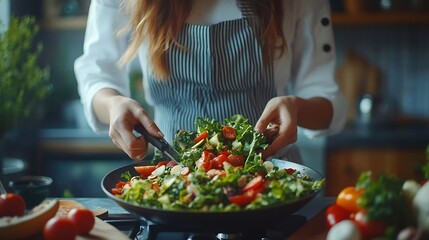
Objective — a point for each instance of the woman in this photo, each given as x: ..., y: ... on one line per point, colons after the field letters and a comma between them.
x: 271, y: 61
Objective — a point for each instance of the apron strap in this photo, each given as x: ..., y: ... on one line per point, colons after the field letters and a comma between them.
x: 246, y: 8
x: 253, y: 21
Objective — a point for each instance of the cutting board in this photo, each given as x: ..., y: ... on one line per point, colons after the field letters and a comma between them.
x: 101, y: 229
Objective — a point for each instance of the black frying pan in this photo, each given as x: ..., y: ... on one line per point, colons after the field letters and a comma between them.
x: 245, y: 219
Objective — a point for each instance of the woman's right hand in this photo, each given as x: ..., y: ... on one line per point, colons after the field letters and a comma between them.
x: 124, y: 114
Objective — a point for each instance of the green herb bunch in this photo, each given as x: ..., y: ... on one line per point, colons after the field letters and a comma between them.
x: 23, y: 84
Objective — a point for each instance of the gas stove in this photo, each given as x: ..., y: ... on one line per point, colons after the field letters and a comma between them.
x: 139, y: 229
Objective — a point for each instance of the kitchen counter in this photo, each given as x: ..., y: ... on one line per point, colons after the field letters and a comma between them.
x: 313, y: 209
x: 399, y: 136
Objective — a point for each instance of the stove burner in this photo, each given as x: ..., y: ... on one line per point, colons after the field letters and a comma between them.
x: 139, y: 229
x: 278, y: 230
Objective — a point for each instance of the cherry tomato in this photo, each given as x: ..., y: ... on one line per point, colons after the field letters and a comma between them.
x: 349, y: 198
x: 369, y: 228
x: 201, y: 136
x: 83, y: 219
x: 335, y: 214
x: 229, y: 133
x: 59, y: 228
x: 236, y: 160
x: 145, y: 171
x: 290, y: 171
x: 11, y: 204
x: 254, y: 183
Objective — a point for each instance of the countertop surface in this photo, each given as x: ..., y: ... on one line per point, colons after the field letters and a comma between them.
x: 398, y: 136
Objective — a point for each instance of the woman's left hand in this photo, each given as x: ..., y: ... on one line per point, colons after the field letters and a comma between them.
x: 281, y: 112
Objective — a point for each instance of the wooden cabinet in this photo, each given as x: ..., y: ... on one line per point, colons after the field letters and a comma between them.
x: 344, y: 166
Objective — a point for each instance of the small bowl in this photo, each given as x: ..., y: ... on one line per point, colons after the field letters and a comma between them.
x: 34, y: 189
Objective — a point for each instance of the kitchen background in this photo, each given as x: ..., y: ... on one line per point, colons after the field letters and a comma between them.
x: 383, y: 58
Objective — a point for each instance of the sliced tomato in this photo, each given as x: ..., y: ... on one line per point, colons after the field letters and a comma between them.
x: 290, y: 171
x: 349, y: 198
x: 116, y: 191
x: 335, y: 214
x: 201, y: 136
x: 369, y: 228
x: 236, y: 160
x: 120, y: 184
x: 204, y: 161
x: 217, y: 162
x: 162, y: 163
x: 247, y: 197
x: 254, y: 183
x: 145, y: 171
x: 243, y: 199
x: 229, y: 133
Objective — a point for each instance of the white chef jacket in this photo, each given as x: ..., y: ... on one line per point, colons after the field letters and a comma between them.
x: 305, y: 70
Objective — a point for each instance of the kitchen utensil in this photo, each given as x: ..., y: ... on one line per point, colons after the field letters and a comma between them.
x: 34, y: 189
x: 160, y: 143
x: 217, y: 221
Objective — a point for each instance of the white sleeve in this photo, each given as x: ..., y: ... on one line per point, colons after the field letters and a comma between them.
x: 97, y: 68
x: 313, y: 62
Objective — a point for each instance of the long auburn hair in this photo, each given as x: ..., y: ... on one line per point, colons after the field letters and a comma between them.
x: 160, y: 22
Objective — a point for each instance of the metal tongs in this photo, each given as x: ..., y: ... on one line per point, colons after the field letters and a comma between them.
x: 159, y: 143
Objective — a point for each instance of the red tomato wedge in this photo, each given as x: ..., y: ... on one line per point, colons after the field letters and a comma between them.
x: 162, y: 163
x: 201, y: 136
x: 229, y: 133
x: 247, y: 197
x: 254, y: 183
x: 290, y: 171
x: 145, y: 171
x: 236, y: 160
x: 116, y: 191
x: 204, y: 161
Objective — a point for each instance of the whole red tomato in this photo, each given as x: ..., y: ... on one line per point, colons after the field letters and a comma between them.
x: 369, y: 228
x: 83, y: 219
x: 335, y: 214
x: 349, y: 199
x: 11, y: 204
x: 60, y: 228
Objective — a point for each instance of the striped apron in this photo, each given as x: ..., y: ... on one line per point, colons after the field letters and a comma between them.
x: 220, y: 74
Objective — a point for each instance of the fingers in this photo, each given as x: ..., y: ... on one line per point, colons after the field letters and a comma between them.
x: 147, y: 122
x: 279, y: 142
x: 278, y: 123
x: 134, y: 147
x: 124, y: 117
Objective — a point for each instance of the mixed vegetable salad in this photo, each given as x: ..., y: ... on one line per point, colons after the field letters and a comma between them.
x: 221, y: 169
